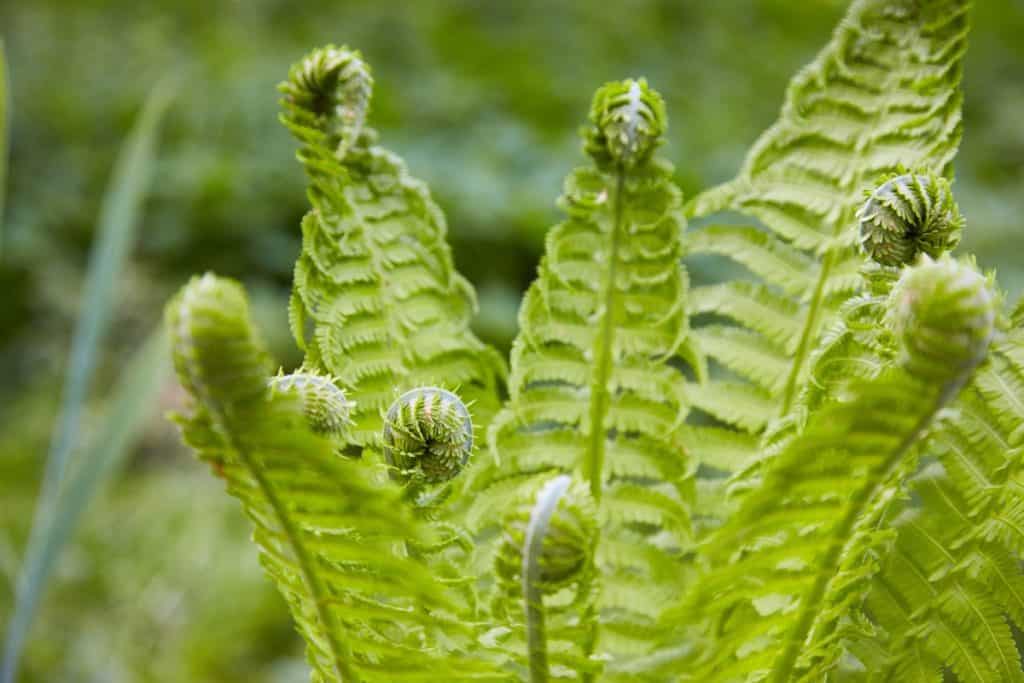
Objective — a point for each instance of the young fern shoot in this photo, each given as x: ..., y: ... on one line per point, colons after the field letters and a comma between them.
x: 595, y: 384
x: 375, y: 281
x: 547, y: 551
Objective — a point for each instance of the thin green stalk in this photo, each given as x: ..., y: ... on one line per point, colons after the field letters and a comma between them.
x: 593, y: 468
x: 5, y: 135
x: 533, y: 597
x: 809, y: 606
x: 117, y: 225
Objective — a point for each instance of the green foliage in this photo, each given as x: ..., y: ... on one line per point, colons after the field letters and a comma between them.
x: 118, y: 223
x: 842, y: 505
x: 337, y: 540
x: 5, y: 125
x: 375, y: 278
x: 593, y: 387
x: 884, y: 92
x: 546, y: 576
x: 794, y: 561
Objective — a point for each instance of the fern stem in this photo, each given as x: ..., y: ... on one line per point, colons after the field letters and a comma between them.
x: 807, y: 335
x: 339, y: 652
x: 593, y: 468
x: 533, y: 596
x: 786, y: 662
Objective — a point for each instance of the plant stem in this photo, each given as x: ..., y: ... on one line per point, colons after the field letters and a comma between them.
x: 533, y: 598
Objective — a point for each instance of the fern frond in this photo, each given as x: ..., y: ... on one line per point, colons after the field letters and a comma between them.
x: 954, y: 581
x: 885, y: 92
x: 334, y: 534
x: 375, y: 281
x: 595, y: 383
x: 795, y: 560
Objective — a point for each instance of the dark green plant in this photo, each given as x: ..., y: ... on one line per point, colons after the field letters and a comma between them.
x: 804, y: 473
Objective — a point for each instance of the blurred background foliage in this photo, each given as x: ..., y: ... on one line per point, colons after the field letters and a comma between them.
x: 483, y: 99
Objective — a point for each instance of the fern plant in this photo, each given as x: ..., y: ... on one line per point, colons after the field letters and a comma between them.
x: 810, y: 471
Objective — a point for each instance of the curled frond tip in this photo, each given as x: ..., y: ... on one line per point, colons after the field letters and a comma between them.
x: 909, y: 215
x: 329, y: 91
x: 428, y: 435
x: 627, y: 123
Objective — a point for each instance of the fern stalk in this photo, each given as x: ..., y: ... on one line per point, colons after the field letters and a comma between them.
x: 533, y: 596
x: 593, y: 463
x: 828, y: 565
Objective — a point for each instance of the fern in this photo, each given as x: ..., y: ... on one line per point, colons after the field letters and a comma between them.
x: 788, y: 566
x: 375, y: 280
x: 337, y: 539
x: 884, y: 92
x: 594, y: 392
x: 843, y: 504
x: 953, y: 581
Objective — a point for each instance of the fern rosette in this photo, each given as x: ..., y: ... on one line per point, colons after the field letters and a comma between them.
x: 842, y: 504
x: 377, y: 302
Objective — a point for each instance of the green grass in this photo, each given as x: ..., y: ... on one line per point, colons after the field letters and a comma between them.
x: 57, y: 508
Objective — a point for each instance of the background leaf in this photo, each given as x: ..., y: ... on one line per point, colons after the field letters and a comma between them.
x: 118, y: 222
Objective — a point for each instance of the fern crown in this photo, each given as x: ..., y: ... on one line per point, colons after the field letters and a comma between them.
x: 805, y: 468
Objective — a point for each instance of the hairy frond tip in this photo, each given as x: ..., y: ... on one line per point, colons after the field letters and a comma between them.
x: 943, y: 313
x: 216, y: 354
x: 567, y: 547
x: 428, y: 435
x: 329, y: 90
x: 325, y: 405
x: 628, y: 121
x: 909, y: 215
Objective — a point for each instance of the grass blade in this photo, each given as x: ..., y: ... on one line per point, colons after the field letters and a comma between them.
x: 115, y: 235
x: 5, y: 134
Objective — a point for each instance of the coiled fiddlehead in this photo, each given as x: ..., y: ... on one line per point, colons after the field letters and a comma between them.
x: 212, y: 343
x: 943, y: 313
x: 329, y: 91
x: 548, y: 545
x: 627, y: 123
x: 909, y: 215
x: 428, y: 435
x: 324, y: 404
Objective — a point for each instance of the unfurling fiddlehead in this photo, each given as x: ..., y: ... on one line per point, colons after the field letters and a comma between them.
x: 628, y: 123
x: 943, y: 313
x: 329, y: 91
x: 548, y: 546
x: 909, y: 215
x: 428, y: 435
x: 324, y: 404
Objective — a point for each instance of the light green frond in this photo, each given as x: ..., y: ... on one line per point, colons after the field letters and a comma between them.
x: 595, y: 383
x: 334, y: 534
x: 885, y: 92
x: 790, y: 568
x: 954, y: 582
x: 377, y: 302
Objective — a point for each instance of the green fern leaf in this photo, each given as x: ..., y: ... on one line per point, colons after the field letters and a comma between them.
x: 953, y: 581
x: 884, y: 92
x: 594, y: 386
x: 375, y: 280
x: 794, y: 562
x: 334, y: 534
